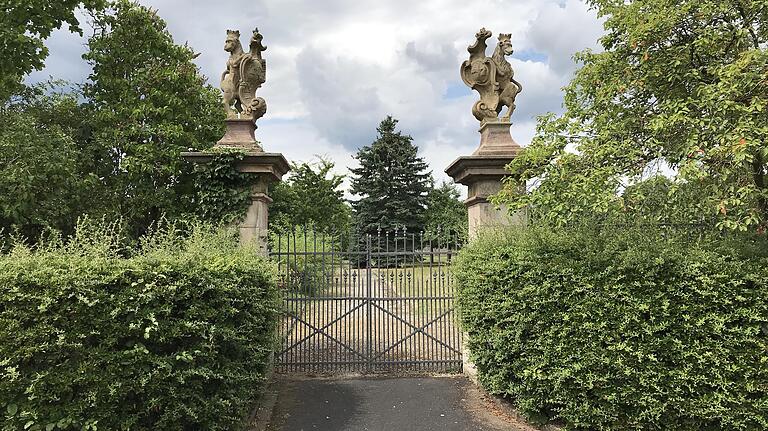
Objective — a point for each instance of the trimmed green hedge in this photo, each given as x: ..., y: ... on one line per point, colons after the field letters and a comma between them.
x: 622, y: 329
x: 178, y: 336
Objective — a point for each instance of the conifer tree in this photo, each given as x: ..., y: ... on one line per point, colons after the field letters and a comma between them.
x: 392, y: 183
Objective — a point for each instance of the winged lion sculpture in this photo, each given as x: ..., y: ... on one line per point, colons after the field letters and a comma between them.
x: 246, y: 72
x: 492, y: 77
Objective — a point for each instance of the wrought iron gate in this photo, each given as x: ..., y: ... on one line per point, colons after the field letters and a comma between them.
x: 372, y: 303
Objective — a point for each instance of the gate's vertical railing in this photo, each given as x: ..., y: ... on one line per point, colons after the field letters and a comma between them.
x: 383, y: 303
x: 368, y: 306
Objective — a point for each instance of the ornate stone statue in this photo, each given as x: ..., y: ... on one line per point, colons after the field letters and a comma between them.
x: 483, y: 171
x: 492, y: 77
x: 245, y: 73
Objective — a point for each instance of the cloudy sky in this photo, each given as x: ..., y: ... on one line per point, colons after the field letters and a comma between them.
x: 336, y: 68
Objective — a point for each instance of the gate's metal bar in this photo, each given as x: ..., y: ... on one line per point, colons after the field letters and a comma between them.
x: 368, y: 302
x: 417, y: 329
x: 407, y: 301
x: 383, y: 254
x: 417, y: 305
x: 320, y: 331
x: 439, y: 286
x: 353, y: 329
x: 310, y: 290
x: 324, y: 289
x: 357, y: 328
x: 385, y: 290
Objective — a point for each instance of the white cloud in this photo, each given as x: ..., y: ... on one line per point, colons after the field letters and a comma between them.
x: 562, y: 30
x: 337, y: 67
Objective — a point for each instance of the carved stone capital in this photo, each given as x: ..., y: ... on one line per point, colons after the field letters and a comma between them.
x: 495, y: 140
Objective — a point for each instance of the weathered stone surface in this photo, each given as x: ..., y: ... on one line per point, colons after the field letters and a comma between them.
x: 240, y: 133
x: 492, y: 77
x: 273, y: 165
x: 483, y: 174
x: 253, y: 228
x: 245, y: 73
x: 495, y: 140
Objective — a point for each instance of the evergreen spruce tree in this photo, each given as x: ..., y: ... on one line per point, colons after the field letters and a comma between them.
x: 392, y: 183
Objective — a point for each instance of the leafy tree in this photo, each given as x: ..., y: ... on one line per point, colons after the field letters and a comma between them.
x: 44, y: 182
x: 24, y: 25
x: 446, y: 215
x: 392, y: 182
x: 311, y: 196
x: 149, y: 103
x: 660, y: 200
x: 680, y: 87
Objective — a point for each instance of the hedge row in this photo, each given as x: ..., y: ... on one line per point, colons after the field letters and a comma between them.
x: 176, y: 337
x: 622, y: 329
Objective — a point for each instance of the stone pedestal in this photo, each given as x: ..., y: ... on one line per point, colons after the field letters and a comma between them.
x: 268, y: 168
x: 482, y: 173
x: 495, y: 140
x: 240, y: 134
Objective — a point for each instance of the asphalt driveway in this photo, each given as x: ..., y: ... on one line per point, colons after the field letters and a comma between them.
x: 399, y: 404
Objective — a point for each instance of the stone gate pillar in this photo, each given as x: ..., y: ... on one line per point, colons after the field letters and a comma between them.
x: 244, y: 74
x: 482, y: 173
x: 267, y: 168
x: 494, y: 80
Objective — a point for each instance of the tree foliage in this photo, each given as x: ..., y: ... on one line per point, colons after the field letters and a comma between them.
x: 44, y: 182
x: 679, y: 87
x: 113, y: 148
x: 392, y: 183
x: 149, y: 103
x: 24, y: 26
x: 311, y: 196
x: 446, y: 213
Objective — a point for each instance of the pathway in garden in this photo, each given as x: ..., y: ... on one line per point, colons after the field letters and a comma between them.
x: 399, y: 404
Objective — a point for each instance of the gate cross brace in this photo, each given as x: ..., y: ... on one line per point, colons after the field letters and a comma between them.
x: 316, y: 330
x: 416, y: 330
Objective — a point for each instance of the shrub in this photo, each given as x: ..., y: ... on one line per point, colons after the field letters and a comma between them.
x: 621, y: 329
x: 175, y: 336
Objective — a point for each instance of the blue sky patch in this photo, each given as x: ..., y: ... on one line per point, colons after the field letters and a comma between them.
x: 530, y: 55
x: 455, y: 90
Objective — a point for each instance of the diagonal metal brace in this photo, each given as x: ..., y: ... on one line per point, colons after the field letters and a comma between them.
x: 416, y: 330
x: 316, y: 330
